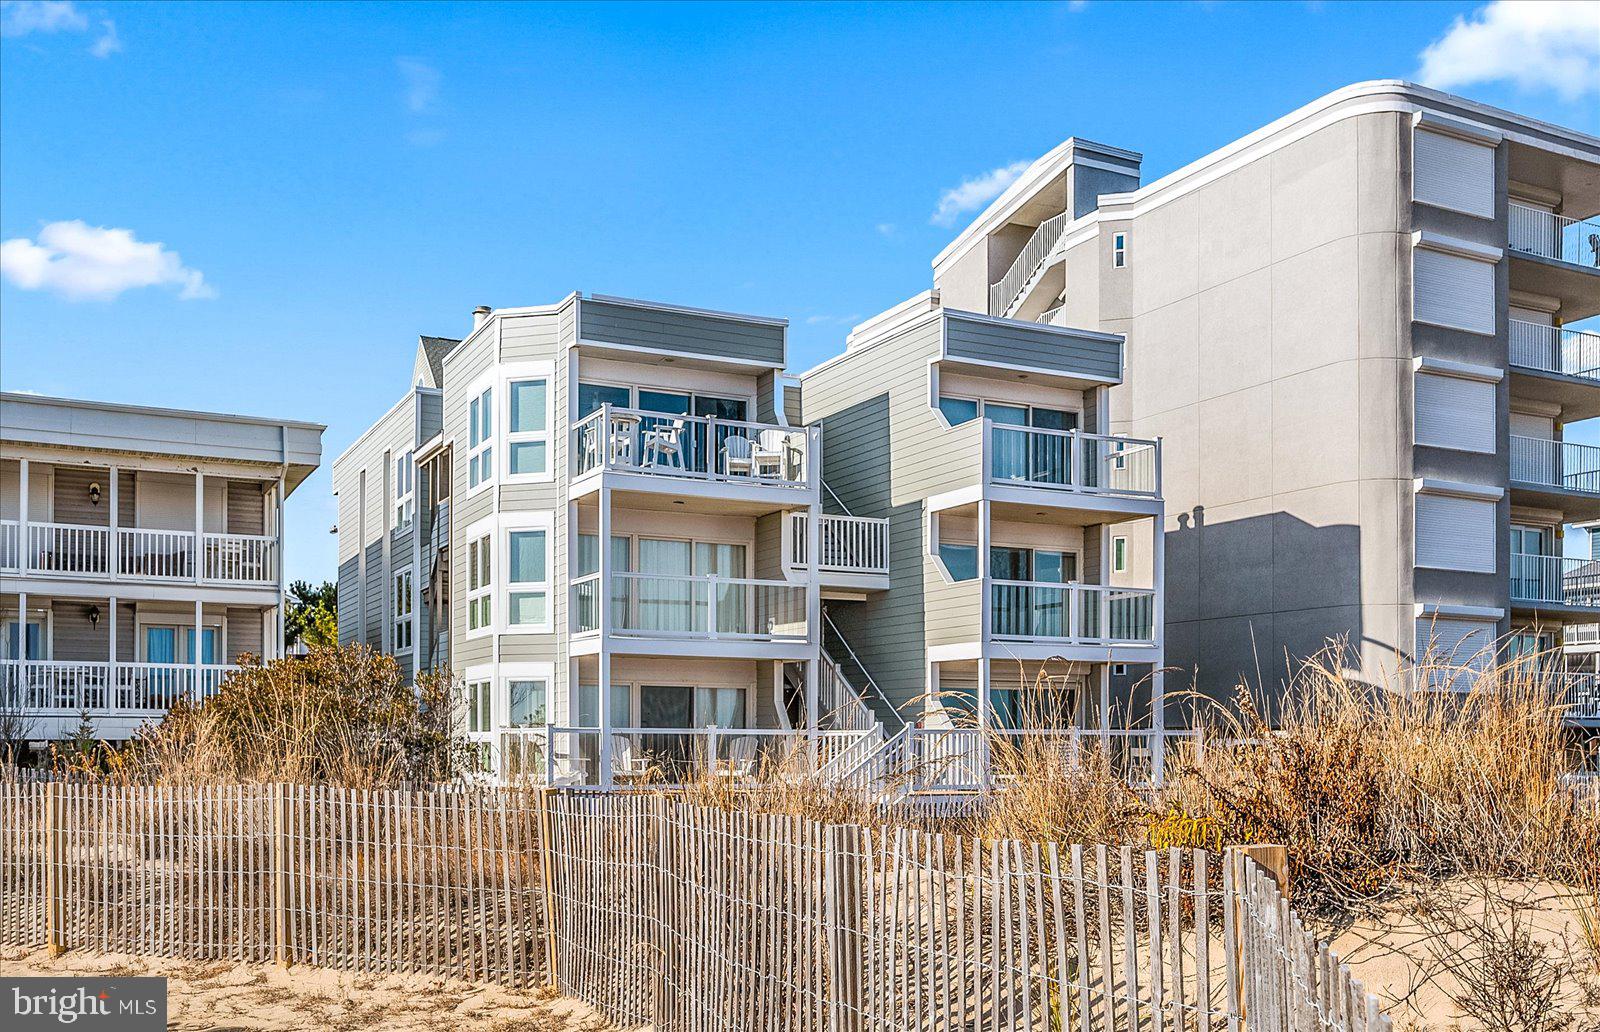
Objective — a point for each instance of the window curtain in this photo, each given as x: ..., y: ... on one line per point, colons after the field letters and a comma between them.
x: 734, y: 601
x: 664, y: 602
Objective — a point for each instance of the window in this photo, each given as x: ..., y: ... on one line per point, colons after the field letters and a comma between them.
x: 1119, y: 670
x: 480, y: 724
x: 1452, y: 290
x: 528, y: 579
x: 405, y: 507
x: 1454, y: 412
x: 960, y: 561
x: 958, y: 410
x: 1119, y: 250
x: 528, y: 428
x: 1119, y: 555
x: 403, y: 624
x: 525, y: 702
x: 1455, y: 533
x: 480, y: 439
x: 480, y: 580
x: 1452, y: 172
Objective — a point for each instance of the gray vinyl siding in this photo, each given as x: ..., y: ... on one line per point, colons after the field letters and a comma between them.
x: 1090, y: 574
x: 247, y: 507
x: 71, y: 496
x: 1031, y: 344
x: 375, y: 591
x: 244, y: 633
x: 791, y: 405
x: 683, y: 332
x: 430, y: 415
x: 769, y: 546
x: 349, y: 600
x: 766, y: 385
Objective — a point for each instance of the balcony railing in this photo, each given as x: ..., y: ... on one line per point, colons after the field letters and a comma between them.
x: 1560, y: 464
x: 1555, y: 580
x: 1580, y: 692
x: 967, y: 759
x: 1072, y: 613
x: 1004, y: 294
x: 77, y: 550
x: 694, y: 447
x: 40, y: 687
x: 849, y: 544
x: 1074, y: 461
x: 1555, y: 349
x: 707, y: 607
x: 677, y: 756
x: 1532, y: 231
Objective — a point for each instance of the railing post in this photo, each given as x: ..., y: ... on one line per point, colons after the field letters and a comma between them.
x: 711, y: 605
x: 547, y: 875
x: 280, y: 875
x: 842, y: 861
x: 712, y: 449
x: 55, y: 859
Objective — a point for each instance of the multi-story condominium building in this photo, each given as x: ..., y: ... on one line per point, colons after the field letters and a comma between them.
x: 141, y: 555
x: 751, y: 577
x: 1360, y: 332
x: 394, y: 525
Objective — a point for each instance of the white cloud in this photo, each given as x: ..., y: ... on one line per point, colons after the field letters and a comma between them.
x: 109, y: 42
x: 974, y: 193
x: 422, y: 84
x: 24, y: 17
x: 91, y: 263
x: 1536, y: 44
x: 885, y: 229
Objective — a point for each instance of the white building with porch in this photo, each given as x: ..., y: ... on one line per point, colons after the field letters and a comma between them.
x: 141, y: 556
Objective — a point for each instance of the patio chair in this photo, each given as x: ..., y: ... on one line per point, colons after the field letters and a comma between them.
x: 738, y: 454
x: 663, y: 444
x: 741, y: 761
x: 623, y: 760
x: 770, y: 451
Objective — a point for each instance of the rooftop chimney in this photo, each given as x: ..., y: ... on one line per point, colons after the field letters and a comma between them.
x: 480, y: 315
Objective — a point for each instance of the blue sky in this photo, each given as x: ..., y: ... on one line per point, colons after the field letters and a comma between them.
x: 325, y: 182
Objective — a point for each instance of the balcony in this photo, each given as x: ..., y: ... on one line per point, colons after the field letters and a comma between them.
x: 1072, y: 614
x: 1071, y: 460
x: 725, y: 610
x: 1557, y: 474
x: 687, y: 449
x: 133, y: 554
x: 54, y: 688
x: 848, y: 544
x: 1544, y: 234
x: 1553, y: 580
x: 1555, y: 349
x: 1581, y: 693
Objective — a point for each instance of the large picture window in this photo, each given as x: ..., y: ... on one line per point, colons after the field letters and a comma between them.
x: 528, y: 428
x: 528, y: 579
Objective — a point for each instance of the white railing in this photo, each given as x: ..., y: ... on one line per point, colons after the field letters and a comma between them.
x: 1072, y: 613
x: 1532, y: 231
x: 669, y: 755
x: 10, y: 546
x: 67, y: 687
x: 1555, y: 579
x: 1074, y: 461
x: 68, y: 548
x: 1049, y: 315
x: 708, y: 607
x: 838, y: 700
x: 1561, y: 464
x: 145, y: 554
x: 1004, y: 294
x: 1555, y: 349
x: 696, y: 447
x: 1581, y: 693
x: 240, y: 558
x: 849, y: 544
x: 1580, y: 634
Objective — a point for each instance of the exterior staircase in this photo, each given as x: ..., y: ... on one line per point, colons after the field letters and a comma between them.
x: 1029, y: 266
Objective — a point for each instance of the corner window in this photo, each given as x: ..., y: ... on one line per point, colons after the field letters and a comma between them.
x: 528, y: 579
x: 405, y: 490
x: 480, y: 439
x: 958, y: 410
x: 528, y: 428
x: 480, y: 584
x: 1119, y: 250
x: 1119, y: 555
x: 960, y: 561
x: 525, y: 702
x: 480, y: 709
x: 403, y: 623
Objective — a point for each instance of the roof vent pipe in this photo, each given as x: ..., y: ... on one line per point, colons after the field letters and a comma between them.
x: 480, y: 315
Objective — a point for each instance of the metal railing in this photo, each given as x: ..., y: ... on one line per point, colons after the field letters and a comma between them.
x: 1072, y: 613
x: 1073, y: 460
x: 707, y: 607
x: 1561, y: 464
x: 848, y: 544
x: 1004, y: 294
x: 1555, y: 349
x: 1049, y: 315
x: 696, y: 447
x: 81, y: 550
x: 1548, y: 235
x: 69, y: 687
x: 1580, y: 691
x: 1555, y: 579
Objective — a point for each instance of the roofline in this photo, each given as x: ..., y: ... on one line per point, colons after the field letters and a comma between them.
x: 687, y: 310
x: 410, y: 395
x: 1406, y: 96
x: 15, y: 397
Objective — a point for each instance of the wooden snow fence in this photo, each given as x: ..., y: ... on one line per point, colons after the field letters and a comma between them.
x: 661, y: 913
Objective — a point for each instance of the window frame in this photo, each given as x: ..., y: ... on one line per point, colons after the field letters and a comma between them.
x: 1119, y: 250
x: 480, y: 580
x: 478, y: 690
x: 1119, y: 553
x: 403, y: 583
x: 527, y: 523
x: 512, y: 374
x: 480, y: 438
x: 405, y: 489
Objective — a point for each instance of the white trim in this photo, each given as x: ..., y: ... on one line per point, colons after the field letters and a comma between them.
x: 662, y: 306
x: 505, y: 673
x: 521, y: 372
x: 1455, y: 127
x: 485, y: 527
x: 493, y: 320
x: 519, y: 522
x: 697, y: 356
x: 1456, y: 488
x: 1455, y: 245
x: 1460, y: 370
x: 395, y: 620
x: 1453, y: 612
x: 485, y: 383
x: 47, y: 630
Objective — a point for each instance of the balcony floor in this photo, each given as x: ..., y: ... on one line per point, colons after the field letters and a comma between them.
x: 1579, y: 398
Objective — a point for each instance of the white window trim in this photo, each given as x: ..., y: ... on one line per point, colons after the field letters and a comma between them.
x: 522, y: 521
x: 409, y: 617
x: 1122, y: 540
x: 405, y: 489
x: 484, y: 528
x: 509, y: 672
x: 515, y: 372
x: 475, y: 394
x: 183, y: 622
x: 1119, y: 250
x: 47, y: 623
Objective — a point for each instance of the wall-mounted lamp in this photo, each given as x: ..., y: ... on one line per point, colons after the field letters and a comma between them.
x: 94, y: 492
x: 94, y: 616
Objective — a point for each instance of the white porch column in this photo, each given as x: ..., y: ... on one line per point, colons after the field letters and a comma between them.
x: 199, y: 531
x: 111, y: 627
x: 603, y: 657
x: 813, y: 609
x: 986, y: 614
x: 199, y: 650
x: 280, y: 645
x: 22, y: 614
x: 113, y: 545
x: 1158, y: 617
x: 25, y: 545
